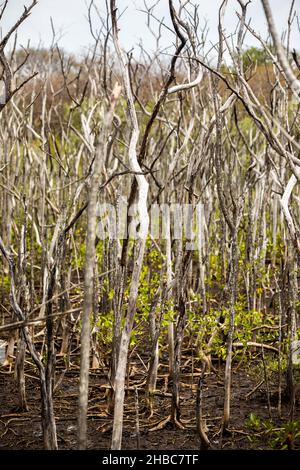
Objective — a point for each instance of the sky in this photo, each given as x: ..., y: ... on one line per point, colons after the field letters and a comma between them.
x: 71, y: 25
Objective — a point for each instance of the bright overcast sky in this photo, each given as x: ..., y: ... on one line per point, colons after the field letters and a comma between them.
x: 70, y: 20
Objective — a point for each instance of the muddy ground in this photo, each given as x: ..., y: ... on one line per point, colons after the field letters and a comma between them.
x: 22, y: 430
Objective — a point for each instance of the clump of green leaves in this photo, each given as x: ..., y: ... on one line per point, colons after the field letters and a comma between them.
x: 285, y: 437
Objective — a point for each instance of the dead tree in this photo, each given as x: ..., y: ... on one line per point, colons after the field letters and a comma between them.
x: 140, y: 248
x: 94, y: 184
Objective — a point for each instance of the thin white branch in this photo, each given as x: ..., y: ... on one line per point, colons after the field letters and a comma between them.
x: 132, y: 151
x: 186, y: 86
x: 284, y: 201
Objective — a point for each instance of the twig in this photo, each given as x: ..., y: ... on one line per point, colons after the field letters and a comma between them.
x: 254, y: 389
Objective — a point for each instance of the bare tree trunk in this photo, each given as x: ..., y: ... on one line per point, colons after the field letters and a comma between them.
x: 175, y: 410
x: 155, y: 325
x: 169, y: 283
x: 200, y: 422
x: 227, y: 378
x: 48, y: 420
x: 117, y: 330
x: 20, y: 374
x: 292, y: 324
x: 88, y: 304
x: 119, y: 382
x: 140, y: 247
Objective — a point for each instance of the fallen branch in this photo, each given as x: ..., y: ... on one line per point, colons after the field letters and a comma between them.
x: 36, y: 321
x: 256, y: 345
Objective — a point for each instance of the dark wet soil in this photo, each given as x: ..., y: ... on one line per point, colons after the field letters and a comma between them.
x: 22, y: 430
